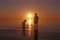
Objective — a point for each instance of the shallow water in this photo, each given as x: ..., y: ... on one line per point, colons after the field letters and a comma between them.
x: 45, y: 32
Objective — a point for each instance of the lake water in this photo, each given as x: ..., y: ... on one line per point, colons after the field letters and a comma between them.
x: 45, y: 32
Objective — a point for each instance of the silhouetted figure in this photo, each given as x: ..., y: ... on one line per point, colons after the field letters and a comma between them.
x: 36, y: 18
x: 23, y: 27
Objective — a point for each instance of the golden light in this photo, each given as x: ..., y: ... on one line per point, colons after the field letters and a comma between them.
x: 29, y: 15
x: 29, y: 18
x: 30, y: 21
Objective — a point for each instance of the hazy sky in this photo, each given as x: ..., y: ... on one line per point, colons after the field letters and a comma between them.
x: 18, y: 7
x: 10, y: 9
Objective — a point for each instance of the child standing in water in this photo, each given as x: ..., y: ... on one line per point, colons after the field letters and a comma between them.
x: 36, y: 18
x: 23, y: 26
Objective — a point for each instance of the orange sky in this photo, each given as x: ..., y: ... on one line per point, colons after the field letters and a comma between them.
x: 47, y: 10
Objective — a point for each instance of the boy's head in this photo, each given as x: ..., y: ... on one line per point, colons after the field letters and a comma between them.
x: 35, y: 14
x: 25, y: 20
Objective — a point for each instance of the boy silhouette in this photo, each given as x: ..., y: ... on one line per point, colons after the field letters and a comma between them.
x: 23, y: 26
x: 36, y: 18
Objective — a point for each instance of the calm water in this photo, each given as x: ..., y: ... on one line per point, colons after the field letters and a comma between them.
x: 46, y: 32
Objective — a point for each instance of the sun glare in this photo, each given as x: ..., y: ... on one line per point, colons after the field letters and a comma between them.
x: 29, y: 15
x: 29, y: 18
x: 29, y: 21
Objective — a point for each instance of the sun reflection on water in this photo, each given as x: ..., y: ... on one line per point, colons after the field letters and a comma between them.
x: 30, y: 29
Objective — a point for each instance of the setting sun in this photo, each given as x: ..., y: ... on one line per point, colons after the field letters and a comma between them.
x: 29, y: 15
x: 29, y: 18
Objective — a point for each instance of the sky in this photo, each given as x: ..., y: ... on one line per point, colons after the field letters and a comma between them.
x: 20, y: 8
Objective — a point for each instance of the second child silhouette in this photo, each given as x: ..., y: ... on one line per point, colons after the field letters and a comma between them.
x: 23, y: 27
